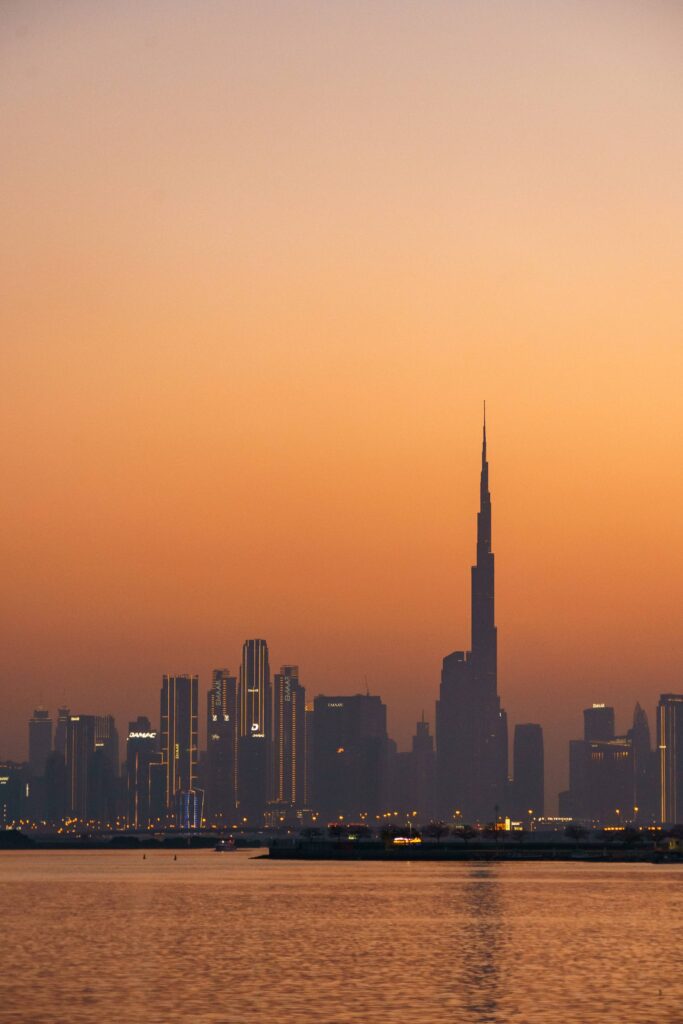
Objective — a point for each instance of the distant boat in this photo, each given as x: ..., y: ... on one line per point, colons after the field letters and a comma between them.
x: 225, y: 845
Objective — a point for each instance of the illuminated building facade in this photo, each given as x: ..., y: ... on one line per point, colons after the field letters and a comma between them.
x: 471, y: 726
x: 221, y: 747
x: 289, y: 739
x: 670, y: 746
x: 255, y: 694
x: 255, y: 733
x: 189, y: 808
x: 179, y: 735
x: 142, y: 751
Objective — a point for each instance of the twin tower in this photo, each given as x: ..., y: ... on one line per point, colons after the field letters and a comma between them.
x: 471, y: 726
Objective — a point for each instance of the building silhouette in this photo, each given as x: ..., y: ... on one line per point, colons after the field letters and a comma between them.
x: 14, y: 784
x: 255, y: 733
x: 103, y: 787
x: 63, y: 715
x: 179, y: 736
x: 308, y: 754
x: 80, y: 746
x: 107, y: 740
x: 158, y: 808
x: 423, y: 772
x: 413, y: 777
x: 670, y: 745
x: 601, y: 778
x: 289, y: 740
x: 350, y: 758
x: 645, y: 769
x: 471, y: 726
x: 55, y: 788
x: 527, y: 795
x: 598, y: 722
x: 39, y: 740
x: 142, y: 751
x: 221, y: 747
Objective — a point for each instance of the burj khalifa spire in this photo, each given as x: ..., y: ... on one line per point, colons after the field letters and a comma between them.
x: 484, y: 638
x: 471, y: 726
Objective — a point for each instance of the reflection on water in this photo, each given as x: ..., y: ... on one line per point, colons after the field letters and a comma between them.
x: 101, y: 937
x: 481, y: 953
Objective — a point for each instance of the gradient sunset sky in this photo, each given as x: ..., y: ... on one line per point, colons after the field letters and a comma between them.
x: 260, y: 265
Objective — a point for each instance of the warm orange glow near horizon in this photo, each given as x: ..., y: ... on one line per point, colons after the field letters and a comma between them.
x: 261, y: 264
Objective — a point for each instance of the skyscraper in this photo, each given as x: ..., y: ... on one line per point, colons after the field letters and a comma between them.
x: 39, y: 740
x: 103, y: 787
x: 63, y: 715
x: 670, y: 744
x: 221, y: 747
x: 254, y: 759
x: 527, y: 787
x: 645, y: 768
x: 598, y: 722
x: 255, y: 689
x: 107, y: 740
x: 308, y: 751
x: 423, y: 772
x: 471, y: 726
x: 179, y: 735
x: 601, y: 779
x: 141, y: 753
x: 350, y: 757
x: 80, y: 746
x: 289, y: 741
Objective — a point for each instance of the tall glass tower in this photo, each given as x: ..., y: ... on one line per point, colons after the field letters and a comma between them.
x: 179, y: 735
x: 670, y: 744
x: 39, y: 740
x: 471, y: 726
x: 221, y: 747
x: 288, y: 738
x: 254, y: 753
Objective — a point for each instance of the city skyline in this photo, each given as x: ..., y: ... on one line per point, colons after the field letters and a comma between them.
x: 272, y: 755
x: 480, y: 621
x: 340, y: 533
x: 241, y: 403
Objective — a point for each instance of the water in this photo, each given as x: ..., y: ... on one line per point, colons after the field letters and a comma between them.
x: 110, y: 937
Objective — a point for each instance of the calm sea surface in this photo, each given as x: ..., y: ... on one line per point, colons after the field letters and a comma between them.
x: 110, y: 937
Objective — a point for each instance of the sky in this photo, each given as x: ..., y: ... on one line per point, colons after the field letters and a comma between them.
x: 260, y: 265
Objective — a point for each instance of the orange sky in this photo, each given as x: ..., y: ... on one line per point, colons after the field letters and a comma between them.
x: 260, y: 264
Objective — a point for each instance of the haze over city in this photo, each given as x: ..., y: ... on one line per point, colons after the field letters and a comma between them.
x: 261, y: 265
